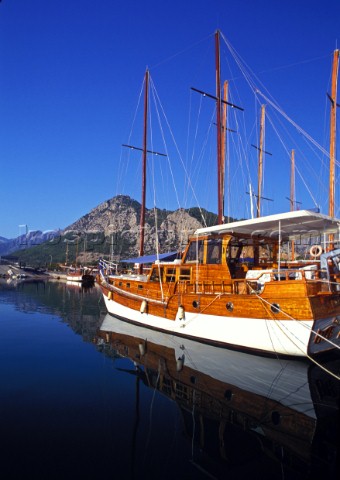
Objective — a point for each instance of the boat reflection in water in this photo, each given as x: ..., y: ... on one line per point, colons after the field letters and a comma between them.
x: 237, y: 408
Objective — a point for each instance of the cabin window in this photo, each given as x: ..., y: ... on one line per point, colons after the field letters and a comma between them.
x: 195, y: 252
x: 156, y: 274
x: 214, y: 250
x: 184, y: 274
x: 170, y: 275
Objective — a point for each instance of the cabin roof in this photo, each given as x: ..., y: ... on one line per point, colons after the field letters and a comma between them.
x: 287, y: 225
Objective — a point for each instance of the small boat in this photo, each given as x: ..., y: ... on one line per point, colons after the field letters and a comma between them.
x: 236, y: 284
x: 81, y: 275
x: 282, y: 410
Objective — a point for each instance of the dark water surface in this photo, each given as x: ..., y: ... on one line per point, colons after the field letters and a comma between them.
x: 86, y: 396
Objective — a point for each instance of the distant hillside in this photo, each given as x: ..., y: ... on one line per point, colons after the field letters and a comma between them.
x: 112, y: 228
x: 7, y: 246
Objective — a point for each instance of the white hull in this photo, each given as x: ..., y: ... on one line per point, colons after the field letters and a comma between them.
x: 74, y: 278
x: 283, y: 380
x: 282, y: 337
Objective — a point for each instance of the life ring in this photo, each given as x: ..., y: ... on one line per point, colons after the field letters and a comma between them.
x: 315, y: 250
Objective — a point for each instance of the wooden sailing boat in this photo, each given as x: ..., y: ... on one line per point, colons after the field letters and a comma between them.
x: 225, y: 291
x: 79, y: 274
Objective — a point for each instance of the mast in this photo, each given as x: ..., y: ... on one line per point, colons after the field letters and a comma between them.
x: 260, y: 163
x: 219, y: 136
x: 144, y: 155
x: 224, y: 147
x: 332, y: 146
x: 292, y: 195
x: 292, y: 180
x: 145, y: 131
x: 219, y: 101
x: 332, y: 141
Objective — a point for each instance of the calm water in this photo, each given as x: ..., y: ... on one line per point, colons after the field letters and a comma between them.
x: 86, y: 396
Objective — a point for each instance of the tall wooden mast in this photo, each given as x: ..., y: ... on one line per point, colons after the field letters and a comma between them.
x: 144, y: 151
x: 332, y: 146
x: 332, y: 141
x: 292, y: 181
x: 292, y: 195
x: 219, y: 132
x: 224, y: 147
x: 219, y: 102
x: 145, y: 133
x: 260, y: 163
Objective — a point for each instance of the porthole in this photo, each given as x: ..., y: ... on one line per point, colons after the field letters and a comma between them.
x: 275, y: 307
x: 230, y: 306
x: 195, y: 304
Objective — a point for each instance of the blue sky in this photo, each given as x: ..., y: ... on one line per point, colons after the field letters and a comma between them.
x: 71, y: 75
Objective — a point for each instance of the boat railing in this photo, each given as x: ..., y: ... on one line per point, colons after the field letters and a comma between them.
x: 314, y: 277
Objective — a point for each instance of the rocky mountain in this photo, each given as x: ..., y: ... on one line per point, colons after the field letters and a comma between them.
x: 116, y: 223
x: 111, y: 229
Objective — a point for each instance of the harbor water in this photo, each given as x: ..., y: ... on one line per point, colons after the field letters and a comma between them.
x: 85, y: 395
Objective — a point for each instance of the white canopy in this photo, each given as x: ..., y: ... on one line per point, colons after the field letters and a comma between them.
x: 288, y: 225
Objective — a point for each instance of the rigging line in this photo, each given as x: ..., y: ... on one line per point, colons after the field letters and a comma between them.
x: 301, y: 62
x: 199, y: 313
x: 307, y: 188
x: 151, y: 408
x: 158, y: 102
x: 126, y: 164
x: 280, y: 325
x: 255, y: 89
x: 303, y: 132
x: 288, y: 154
x: 202, y: 154
x: 171, y: 57
x: 244, y: 69
x: 300, y: 321
x: 193, y: 426
x: 188, y: 131
x: 155, y: 209
x: 195, y: 136
x: 184, y: 168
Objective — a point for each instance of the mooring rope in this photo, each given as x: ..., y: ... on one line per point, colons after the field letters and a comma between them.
x: 280, y: 325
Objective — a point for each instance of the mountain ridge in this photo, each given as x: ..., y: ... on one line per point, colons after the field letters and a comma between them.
x: 112, y: 229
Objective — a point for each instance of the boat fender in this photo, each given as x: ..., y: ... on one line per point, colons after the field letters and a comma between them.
x: 109, y: 295
x: 142, y: 348
x: 315, y: 250
x: 180, y: 363
x: 143, y: 307
x: 181, y: 313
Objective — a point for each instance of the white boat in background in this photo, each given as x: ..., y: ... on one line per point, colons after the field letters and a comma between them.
x: 81, y: 275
